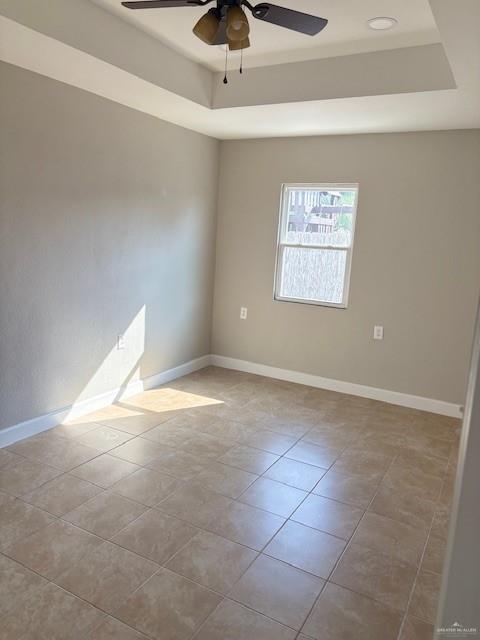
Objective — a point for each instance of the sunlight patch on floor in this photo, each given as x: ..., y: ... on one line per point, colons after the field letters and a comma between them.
x: 168, y: 399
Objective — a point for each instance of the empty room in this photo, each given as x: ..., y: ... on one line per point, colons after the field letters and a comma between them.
x: 239, y: 338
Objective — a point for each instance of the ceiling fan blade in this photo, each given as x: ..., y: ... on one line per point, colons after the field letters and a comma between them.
x: 160, y: 4
x: 288, y: 18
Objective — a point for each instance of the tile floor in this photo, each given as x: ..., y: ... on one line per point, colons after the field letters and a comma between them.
x: 226, y: 506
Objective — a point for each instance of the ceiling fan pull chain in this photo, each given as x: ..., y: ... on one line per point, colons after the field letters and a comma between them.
x: 241, y: 60
x: 225, y: 80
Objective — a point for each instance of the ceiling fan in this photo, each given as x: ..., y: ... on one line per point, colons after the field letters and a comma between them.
x: 227, y: 23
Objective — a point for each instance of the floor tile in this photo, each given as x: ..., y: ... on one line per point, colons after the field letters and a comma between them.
x: 232, y: 621
x: 18, y: 520
x: 246, y: 525
x: 428, y: 445
x: 349, y: 489
x: 155, y: 536
x: 272, y: 496
x: 314, y: 454
x: 195, y: 504
x: 105, y: 514
x: 414, y: 481
x: 168, y: 607
x: 425, y: 596
x: 398, y: 539
x: 6, y: 457
x: 227, y: 429
x: 270, y: 441
x: 22, y: 476
x: 146, y: 486
x: 104, y: 470
x: 135, y: 424
x: 62, y: 494
x: 138, y: 450
x: 68, y: 430
x: 17, y: 583
x: 249, y: 459
x: 43, y: 615
x: 328, y: 515
x: 306, y: 548
x: 112, y: 629
x: 434, y: 555
x: 104, y: 438
x: 413, y: 460
x: 334, y: 438
x: 114, y: 413
x: 286, y: 426
x: 415, y: 629
x: 212, y: 561
x: 107, y: 576
x: 228, y: 481
x: 376, y: 575
x: 54, y: 451
x: 404, y: 507
x: 362, y: 463
x: 169, y: 436
x: 341, y: 614
x: 53, y: 549
x: 387, y: 444
x: 296, y: 474
x: 205, y: 446
x: 278, y: 590
x: 178, y: 464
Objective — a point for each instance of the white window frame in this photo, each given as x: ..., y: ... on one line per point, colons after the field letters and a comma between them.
x: 282, y: 244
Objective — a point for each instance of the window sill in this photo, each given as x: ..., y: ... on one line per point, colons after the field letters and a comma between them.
x: 315, y: 303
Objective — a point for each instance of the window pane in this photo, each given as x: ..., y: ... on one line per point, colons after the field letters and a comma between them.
x: 313, y: 274
x: 319, y: 216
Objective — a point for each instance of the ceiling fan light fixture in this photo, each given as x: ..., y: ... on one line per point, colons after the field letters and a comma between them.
x: 207, y: 27
x: 238, y: 28
x: 237, y: 45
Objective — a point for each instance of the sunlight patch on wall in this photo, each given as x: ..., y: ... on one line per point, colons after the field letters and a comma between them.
x: 121, y: 367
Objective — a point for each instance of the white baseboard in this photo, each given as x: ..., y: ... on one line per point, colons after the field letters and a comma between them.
x: 78, y: 409
x: 384, y: 395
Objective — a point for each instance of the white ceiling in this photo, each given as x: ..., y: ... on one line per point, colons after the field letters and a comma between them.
x: 346, y: 33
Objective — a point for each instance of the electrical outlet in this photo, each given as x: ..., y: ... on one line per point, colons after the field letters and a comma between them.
x: 120, y: 343
x: 243, y: 313
x: 378, y: 333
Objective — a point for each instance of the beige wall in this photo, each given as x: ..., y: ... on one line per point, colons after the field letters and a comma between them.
x: 416, y: 261
x: 107, y: 227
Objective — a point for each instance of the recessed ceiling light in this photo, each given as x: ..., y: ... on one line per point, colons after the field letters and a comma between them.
x: 382, y: 23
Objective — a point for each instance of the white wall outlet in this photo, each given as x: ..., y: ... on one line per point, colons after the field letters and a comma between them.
x: 120, y: 342
x: 243, y: 313
x: 378, y: 333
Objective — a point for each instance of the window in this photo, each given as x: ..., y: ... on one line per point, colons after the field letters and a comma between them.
x: 315, y: 242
